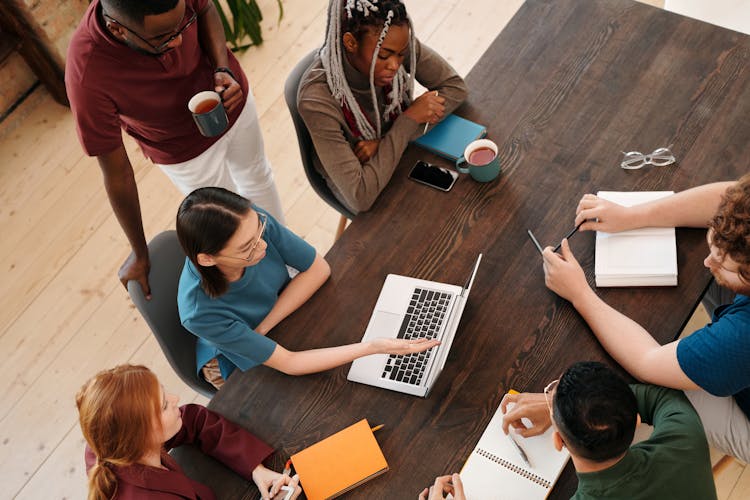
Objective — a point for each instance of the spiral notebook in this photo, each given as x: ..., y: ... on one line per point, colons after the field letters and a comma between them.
x: 496, y: 471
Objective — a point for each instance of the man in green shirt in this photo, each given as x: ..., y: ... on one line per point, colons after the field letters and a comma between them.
x: 595, y: 415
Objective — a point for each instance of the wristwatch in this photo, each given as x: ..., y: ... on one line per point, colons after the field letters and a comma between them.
x: 224, y: 69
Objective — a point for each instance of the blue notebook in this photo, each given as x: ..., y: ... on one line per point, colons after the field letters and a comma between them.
x: 450, y: 137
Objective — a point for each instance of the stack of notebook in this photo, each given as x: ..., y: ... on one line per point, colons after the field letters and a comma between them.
x: 641, y: 257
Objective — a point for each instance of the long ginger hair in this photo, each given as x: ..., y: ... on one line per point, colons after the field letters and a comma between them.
x: 119, y: 410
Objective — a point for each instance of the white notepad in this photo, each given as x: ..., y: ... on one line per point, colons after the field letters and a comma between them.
x: 641, y: 257
x: 496, y: 471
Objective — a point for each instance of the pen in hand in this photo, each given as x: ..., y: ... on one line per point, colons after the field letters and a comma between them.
x: 427, y: 123
x: 574, y: 231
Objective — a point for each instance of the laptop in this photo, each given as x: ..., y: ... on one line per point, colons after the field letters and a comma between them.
x: 412, y: 308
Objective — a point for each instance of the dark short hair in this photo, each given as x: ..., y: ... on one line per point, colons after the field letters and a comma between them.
x: 595, y: 411
x: 360, y: 24
x: 731, y: 226
x: 135, y: 10
x: 206, y: 220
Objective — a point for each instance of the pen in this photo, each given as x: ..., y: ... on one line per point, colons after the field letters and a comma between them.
x: 427, y: 123
x: 519, y: 449
x: 536, y: 243
x: 575, y: 229
x: 288, y: 467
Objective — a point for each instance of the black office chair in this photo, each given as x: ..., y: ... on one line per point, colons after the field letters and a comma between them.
x: 160, y: 313
x: 306, y: 148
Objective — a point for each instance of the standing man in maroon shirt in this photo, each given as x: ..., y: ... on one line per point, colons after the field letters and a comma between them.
x: 133, y: 65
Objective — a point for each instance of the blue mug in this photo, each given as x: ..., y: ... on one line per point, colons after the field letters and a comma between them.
x: 480, y: 161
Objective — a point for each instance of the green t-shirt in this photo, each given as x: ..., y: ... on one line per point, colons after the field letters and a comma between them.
x: 673, y: 463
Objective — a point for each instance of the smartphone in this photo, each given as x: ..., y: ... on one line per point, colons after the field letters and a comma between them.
x: 433, y: 176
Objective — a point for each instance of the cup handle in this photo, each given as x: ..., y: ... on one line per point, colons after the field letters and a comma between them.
x: 459, y: 165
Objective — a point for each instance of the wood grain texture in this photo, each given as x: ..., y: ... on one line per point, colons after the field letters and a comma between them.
x: 563, y: 90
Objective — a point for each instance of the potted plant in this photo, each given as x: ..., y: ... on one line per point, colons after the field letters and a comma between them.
x: 241, y: 21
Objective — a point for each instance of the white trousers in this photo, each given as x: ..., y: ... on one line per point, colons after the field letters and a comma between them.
x: 236, y: 162
x: 726, y: 425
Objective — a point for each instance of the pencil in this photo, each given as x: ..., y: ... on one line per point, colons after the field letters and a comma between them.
x: 574, y: 231
x: 536, y: 243
x: 377, y: 428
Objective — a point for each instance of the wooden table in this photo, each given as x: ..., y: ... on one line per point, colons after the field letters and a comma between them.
x: 566, y: 87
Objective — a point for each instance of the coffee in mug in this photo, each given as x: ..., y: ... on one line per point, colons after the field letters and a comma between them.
x: 480, y: 161
x: 209, y: 113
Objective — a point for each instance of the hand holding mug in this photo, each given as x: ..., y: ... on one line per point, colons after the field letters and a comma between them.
x: 229, y: 90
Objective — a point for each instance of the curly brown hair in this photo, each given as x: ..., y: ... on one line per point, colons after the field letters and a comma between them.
x: 731, y: 226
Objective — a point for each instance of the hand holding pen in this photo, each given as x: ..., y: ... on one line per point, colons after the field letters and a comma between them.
x: 532, y: 407
x: 557, y: 247
x: 429, y: 108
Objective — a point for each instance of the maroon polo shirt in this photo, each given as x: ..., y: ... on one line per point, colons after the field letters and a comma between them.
x: 111, y: 87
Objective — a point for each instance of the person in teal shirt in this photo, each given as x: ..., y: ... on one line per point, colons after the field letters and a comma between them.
x: 235, y: 287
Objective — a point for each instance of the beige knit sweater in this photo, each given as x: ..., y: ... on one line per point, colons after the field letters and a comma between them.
x: 358, y: 185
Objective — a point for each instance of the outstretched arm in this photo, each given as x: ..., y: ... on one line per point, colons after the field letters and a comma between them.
x: 318, y: 360
x: 691, y: 208
x: 122, y: 191
x: 301, y: 288
x: 624, y: 339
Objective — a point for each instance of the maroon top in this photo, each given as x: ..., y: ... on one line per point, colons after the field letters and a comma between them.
x: 214, y: 435
x: 111, y: 86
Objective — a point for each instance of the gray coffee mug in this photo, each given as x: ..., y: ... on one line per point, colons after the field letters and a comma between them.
x: 209, y: 113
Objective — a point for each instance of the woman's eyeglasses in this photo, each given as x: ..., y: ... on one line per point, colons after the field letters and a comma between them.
x: 635, y: 160
x: 262, y: 220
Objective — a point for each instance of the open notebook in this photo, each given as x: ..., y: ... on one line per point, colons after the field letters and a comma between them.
x: 496, y: 471
x: 640, y: 257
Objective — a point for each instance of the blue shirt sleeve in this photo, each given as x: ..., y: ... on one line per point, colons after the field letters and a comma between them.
x: 716, y: 357
x: 295, y: 251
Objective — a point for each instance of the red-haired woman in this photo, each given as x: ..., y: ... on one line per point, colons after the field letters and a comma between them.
x: 129, y: 423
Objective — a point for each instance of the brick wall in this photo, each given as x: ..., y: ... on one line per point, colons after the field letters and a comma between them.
x: 57, y: 19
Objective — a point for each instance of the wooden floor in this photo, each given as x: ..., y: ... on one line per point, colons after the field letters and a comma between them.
x: 64, y: 313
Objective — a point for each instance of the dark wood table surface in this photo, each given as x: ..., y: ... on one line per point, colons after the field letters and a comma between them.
x: 566, y: 87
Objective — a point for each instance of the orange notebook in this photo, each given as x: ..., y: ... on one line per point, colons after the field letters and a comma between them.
x: 337, y: 464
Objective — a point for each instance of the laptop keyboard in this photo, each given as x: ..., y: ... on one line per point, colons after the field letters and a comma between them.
x: 423, y: 320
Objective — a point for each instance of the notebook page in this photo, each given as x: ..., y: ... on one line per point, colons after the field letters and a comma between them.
x: 495, y: 470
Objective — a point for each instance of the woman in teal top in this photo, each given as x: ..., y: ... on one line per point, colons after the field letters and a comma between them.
x: 235, y: 287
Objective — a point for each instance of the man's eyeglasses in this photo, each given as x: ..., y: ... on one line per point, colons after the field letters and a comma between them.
x: 548, y: 393
x: 262, y: 219
x: 635, y: 160
x: 158, y: 49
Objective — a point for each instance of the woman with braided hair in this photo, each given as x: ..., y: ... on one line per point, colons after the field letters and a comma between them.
x: 129, y: 422
x: 357, y: 96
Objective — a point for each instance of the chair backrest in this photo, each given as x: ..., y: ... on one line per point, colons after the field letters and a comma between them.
x: 160, y: 313
x: 306, y: 147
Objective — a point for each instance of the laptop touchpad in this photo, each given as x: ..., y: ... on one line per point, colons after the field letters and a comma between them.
x: 385, y: 324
